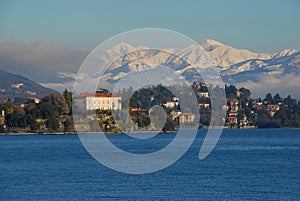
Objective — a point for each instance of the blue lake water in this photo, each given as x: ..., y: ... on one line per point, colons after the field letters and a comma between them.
x: 245, y: 165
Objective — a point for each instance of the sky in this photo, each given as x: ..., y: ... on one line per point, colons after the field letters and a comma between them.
x: 47, y: 41
x: 256, y: 25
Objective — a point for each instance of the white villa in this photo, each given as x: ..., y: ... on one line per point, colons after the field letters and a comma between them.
x: 93, y: 101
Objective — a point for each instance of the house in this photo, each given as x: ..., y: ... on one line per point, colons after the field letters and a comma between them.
x: 134, y: 109
x: 232, y: 114
x: 274, y: 107
x: 203, y: 105
x: 2, y: 119
x: 171, y: 104
x: 174, y: 114
x: 186, y: 118
x: 234, y: 104
x: 243, y: 122
x: 203, y: 94
x: 32, y: 93
x: 232, y: 118
x: 152, y: 98
x: 225, y: 107
x: 16, y: 86
x: 258, y: 105
x: 35, y: 100
x: 93, y: 101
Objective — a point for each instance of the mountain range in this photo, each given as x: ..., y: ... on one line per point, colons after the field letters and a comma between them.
x: 234, y: 65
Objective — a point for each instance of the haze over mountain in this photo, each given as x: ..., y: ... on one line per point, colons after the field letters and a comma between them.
x: 260, y: 72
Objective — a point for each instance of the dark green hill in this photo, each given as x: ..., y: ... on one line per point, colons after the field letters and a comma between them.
x: 13, y: 85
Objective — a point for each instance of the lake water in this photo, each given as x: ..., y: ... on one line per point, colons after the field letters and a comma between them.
x: 245, y: 165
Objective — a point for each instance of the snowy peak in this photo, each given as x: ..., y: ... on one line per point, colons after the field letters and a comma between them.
x: 284, y: 53
x: 231, y: 62
x: 121, y: 49
x: 225, y: 56
x: 210, y: 42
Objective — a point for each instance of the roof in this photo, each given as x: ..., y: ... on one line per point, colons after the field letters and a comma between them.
x: 86, y: 94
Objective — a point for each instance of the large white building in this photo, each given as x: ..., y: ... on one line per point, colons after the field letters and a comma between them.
x: 93, y: 101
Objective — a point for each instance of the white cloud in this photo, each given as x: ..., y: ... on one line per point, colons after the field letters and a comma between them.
x: 39, y: 61
x: 82, y: 85
x: 60, y: 87
x: 74, y: 76
x: 288, y: 84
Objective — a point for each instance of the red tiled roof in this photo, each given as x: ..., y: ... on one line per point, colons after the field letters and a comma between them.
x: 95, y: 95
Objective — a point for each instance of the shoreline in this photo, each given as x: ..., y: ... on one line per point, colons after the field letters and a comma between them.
x: 135, y: 132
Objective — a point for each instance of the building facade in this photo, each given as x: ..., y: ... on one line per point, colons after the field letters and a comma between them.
x: 93, y: 101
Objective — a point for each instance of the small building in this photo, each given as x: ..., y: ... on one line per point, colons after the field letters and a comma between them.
x: 257, y: 105
x: 225, y: 107
x: 134, y: 109
x: 186, y: 118
x: 171, y: 104
x: 232, y: 118
x: 2, y: 119
x: 16, y: 86
x: 93, y: 101
x: 243, y: 122
x: 234, y: 104
x: 274, y: 107
x: 36, y: 100
x: 203, y: 105
x: 203, y: 94
x: 232, y: 114
x: 32, y: 93
x: 152, y: 98
x: 174, y: 114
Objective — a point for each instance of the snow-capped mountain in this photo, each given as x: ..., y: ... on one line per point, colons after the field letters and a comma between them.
x: 282, y: 63
x: 236, y: 65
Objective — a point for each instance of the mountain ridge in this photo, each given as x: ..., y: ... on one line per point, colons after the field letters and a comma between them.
x: 15, y: 85
x: 232, y: 63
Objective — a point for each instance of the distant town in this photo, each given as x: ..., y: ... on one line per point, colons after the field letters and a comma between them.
x: 53, y: 113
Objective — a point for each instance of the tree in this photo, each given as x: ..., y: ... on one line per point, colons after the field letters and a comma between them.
x: 16, y: 120
x: 269, y: 98
x: 68, y: 99
x: 245, y: 93
x: 231, y: 92
x: 277, y: 98
x: 170, y: 125
x: 33, y: 124
x: 52, y: 123
x: 58, y: 102
x: 69, y: 125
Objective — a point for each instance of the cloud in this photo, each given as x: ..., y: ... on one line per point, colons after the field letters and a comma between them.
x: 60, y: 87
x: 285, y: 85
x: 86, y: 84
x: 74, y: 76
x: 40, y: 61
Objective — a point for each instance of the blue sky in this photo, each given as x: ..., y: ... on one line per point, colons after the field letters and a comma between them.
x: 257, y: 25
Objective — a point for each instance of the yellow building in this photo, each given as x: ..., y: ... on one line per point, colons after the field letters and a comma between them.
x: 186, y: 118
